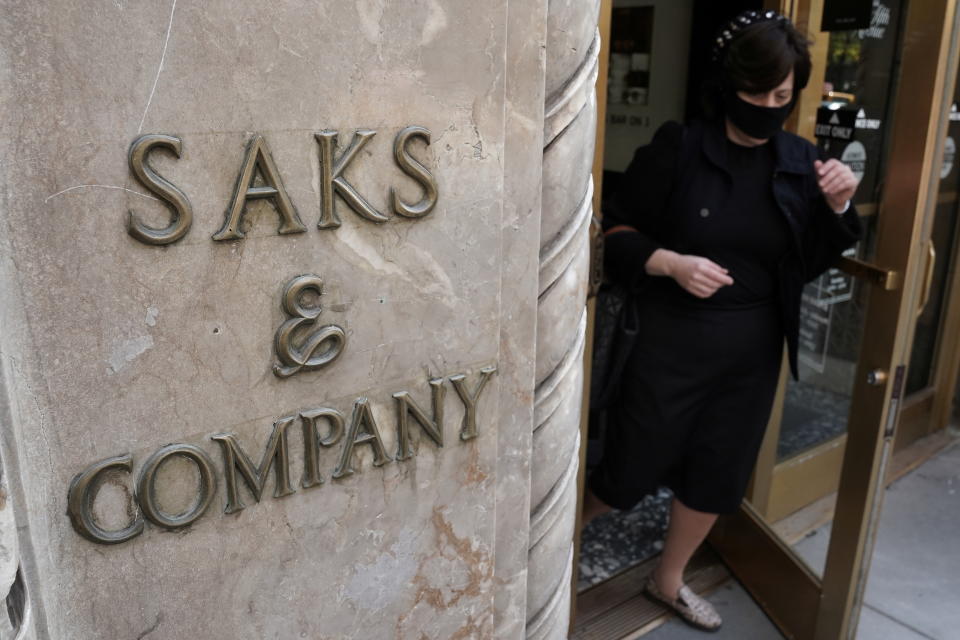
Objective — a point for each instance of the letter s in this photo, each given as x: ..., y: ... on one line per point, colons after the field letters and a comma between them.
x: 171, y: 195
x: 410, y: 166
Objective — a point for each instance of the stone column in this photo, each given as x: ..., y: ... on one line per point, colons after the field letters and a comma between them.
x: 270, y: 299
x: 573, y: 45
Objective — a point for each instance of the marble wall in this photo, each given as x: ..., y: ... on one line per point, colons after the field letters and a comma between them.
x: 112, y: 348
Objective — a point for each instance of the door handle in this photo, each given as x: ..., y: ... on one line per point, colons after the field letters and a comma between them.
x: 886, y: 279
x: 927, y: 277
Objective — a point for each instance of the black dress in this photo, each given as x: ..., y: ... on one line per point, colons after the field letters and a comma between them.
x: 699, y: 386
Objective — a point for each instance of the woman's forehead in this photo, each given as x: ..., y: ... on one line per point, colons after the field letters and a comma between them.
x: 787, y: 82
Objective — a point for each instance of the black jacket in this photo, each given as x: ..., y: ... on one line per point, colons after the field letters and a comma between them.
x: 685, y: 167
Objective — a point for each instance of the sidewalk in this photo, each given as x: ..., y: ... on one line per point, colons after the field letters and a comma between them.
x: 914, y: 586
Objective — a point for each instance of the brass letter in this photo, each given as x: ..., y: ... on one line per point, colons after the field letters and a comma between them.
x: 415, y: 170
x: 174, y: 197
x: 234, y: 458
x: 146, y: 490
x: 332, y: 181
x: 362, y: 417
x: 258, y: 158
x: 312, y: 442
x: 407, y: 407
x: 80, y: 495
x: 469, y: 429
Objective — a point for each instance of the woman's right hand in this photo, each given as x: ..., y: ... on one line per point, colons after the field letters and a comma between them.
x: 698, y: 276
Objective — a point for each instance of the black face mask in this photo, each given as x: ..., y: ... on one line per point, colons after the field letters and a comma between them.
x: 761, y: 123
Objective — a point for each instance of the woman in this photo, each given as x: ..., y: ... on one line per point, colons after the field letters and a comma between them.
x: 718, y: 227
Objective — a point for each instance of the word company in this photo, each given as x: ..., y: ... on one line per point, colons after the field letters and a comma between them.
x: 361, y: 430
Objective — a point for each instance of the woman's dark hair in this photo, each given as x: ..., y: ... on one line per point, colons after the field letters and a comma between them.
x: 757, y: 60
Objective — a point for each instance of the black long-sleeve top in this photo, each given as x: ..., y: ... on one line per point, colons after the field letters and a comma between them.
x: 686, y: 170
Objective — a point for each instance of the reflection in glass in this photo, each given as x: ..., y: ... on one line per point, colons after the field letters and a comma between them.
x: 861, y: 68
x: 944, y: 236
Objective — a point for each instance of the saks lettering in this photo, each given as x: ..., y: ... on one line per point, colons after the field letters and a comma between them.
x: 321, y: 428
x: 258, y: 161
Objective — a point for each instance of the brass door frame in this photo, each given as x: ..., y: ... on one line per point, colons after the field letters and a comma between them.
x: 606, y: 10
x: 806, y: 15
x: 746, y: 541
x: 947, y: 367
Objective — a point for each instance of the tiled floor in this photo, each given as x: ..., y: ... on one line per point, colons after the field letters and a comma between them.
x: 913, y: 592
x: 620, y: 539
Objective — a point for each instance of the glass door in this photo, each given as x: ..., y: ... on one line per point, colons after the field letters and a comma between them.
x: 935, y: 357
x: 858, y: 321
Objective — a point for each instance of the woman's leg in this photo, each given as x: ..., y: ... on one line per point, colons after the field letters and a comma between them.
x: 688, y: 528
x: 592, y: 507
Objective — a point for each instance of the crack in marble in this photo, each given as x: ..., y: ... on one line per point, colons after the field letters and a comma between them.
x: 98, y: 186
x: 163, y: 56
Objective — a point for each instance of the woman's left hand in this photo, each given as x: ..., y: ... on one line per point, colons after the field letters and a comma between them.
x: 837, y: 182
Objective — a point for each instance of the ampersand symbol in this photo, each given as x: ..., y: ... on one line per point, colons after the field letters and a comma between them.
x: 320, y: 347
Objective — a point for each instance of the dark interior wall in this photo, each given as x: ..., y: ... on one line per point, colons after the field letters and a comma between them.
x: 708, y: 17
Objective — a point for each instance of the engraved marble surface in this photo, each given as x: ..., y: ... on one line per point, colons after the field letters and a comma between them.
x: 110, y: 346
x: 526, y: 34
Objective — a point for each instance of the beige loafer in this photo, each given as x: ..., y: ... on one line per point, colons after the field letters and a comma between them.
x: 693, y: 609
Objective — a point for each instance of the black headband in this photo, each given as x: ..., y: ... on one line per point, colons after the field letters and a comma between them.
x: 726, y: 35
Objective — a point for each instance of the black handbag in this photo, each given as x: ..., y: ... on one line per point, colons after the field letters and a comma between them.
x: 614, y: 333
x: 615, y: 328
